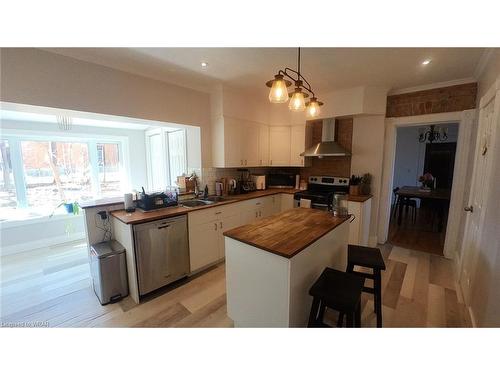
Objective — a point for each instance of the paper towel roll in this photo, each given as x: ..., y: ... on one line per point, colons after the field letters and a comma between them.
x: 129, y: 202
x: 305, y: 203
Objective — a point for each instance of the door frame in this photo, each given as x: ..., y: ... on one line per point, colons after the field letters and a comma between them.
x: 466, y: 121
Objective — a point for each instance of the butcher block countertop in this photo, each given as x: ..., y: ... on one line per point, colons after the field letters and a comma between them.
x: 288, y: 233
x: 359, y: 198
x: 140, y: 216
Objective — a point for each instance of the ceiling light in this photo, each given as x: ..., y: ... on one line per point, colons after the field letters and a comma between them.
x: 279, y: 91
x: 297, y: 102
x: 204, y: 64
x: 312, y: 108
x: 426, y: 62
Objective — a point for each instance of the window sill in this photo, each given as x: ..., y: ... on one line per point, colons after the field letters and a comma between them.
x: 37, y: 220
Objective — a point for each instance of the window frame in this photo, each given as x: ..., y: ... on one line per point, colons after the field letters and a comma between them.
x: 15, y: 137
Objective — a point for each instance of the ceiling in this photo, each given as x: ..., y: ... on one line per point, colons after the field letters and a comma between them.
x: 326, y: 69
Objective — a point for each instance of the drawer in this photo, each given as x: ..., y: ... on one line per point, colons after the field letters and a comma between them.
x: 207, y: 215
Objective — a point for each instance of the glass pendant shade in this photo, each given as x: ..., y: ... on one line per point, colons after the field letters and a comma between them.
x: 279, y: 92
x: 313, y: 109
x: 297, y: 102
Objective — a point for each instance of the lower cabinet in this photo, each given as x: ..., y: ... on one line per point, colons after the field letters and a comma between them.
x: 359, y: 228
x: 206, y: 241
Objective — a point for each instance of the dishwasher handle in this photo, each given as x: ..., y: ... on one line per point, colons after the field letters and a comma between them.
x: 164, y: 226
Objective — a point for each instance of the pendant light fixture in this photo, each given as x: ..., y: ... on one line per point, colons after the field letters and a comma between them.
x: 279, y: 91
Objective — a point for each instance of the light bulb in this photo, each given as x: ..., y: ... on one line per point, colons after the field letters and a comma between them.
x: 313, y: 108
x: 278, y: 93
x: 297, y: 102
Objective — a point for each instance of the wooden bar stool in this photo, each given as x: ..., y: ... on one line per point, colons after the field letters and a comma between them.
x: 369, y: 257
x: 336, y: 290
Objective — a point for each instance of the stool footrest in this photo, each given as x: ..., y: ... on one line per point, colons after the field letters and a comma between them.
x: 367, y: 275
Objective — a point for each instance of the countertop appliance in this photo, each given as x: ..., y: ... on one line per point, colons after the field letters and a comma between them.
x: 260, y: 181
x: 155, y: 200
x: 161, y: 252
x: 320, y: 191
x: 109, y: 271
x: 280, y: 180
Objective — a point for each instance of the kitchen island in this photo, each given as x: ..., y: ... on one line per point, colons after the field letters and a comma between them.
x: 272, y: 263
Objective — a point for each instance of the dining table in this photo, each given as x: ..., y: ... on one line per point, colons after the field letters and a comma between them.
x: 440, y: 196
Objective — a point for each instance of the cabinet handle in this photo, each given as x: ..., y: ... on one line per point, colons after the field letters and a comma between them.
x: 215, y: 226
x: 260, y: 213
x: 218, y: 213
x: 257, y: 203
x: 241, y: 162
x: 220, y: 224
x: 256, y: 214
x: 270, y: 162
x: 260, y: 162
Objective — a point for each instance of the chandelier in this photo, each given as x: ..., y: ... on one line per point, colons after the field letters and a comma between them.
x: 279, y: 91
x: 433, y: 134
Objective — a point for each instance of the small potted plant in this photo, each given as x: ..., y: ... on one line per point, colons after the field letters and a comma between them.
x: 70, y: 207
x: 365, y: 185
x: 354, y: 185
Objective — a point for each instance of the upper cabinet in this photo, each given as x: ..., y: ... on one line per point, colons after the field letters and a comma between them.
x: 297, y: 145
x: 239, y: 143
x: 279, y: 146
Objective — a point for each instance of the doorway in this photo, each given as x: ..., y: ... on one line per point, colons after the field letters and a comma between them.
x: 422, y: 183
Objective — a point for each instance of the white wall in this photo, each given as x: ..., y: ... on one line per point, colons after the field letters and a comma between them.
x: 36, y: 77
x: 367, y: 157
x: 410, y: 154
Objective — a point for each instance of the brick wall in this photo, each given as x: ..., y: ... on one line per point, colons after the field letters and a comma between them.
x: 443, y: 99
x: 330, y: 165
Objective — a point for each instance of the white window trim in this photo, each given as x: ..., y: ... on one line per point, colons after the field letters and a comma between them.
x: 15, y: 137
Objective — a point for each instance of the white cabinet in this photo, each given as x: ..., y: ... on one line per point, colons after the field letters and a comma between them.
x: 250, y: 144
x: 231, y: 153
x: 359, y: 228
x: 286, y: 202
x: 206, y: 242
x: 275, y: 204
x: 279, y: 146
x: 263, y: 145
x: 258, y: 208
x: 203, y: 245
x: 297, y: 145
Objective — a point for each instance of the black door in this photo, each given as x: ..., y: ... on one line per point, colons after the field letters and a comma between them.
x: 440, y: 161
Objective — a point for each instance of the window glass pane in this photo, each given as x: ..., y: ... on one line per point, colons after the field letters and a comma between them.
x: 56, y: 172
x: 7, y: 187
x: 177, y: 154
x: 156, y: 155
x: 108, y: 155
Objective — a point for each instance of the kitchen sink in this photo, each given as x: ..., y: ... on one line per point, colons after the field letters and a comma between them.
x: 204, y: 202
x: 196, y: 203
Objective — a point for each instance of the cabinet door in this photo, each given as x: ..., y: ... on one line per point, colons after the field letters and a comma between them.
x: 297, y: 145
x: 250, y: 142
x: 233, y: 154
x: 266, y: 208
x: 276, y: 204
x: 227, y: 223
x: 204, y: 244
x: 279, y: 146
x: 286, y: 202
x: 263, y: 145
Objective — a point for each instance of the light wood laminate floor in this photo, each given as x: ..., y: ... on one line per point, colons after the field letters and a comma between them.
x: 53, y: 286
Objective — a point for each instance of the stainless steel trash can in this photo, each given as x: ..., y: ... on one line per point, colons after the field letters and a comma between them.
x: 109, y: 271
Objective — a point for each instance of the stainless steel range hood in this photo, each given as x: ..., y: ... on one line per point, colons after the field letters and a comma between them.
x: 328, y: 146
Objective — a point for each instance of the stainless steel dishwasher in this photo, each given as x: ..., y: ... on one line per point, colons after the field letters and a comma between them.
x: 161, y: 252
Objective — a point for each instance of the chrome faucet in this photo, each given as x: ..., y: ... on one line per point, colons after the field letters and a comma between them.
x: 194, y: 178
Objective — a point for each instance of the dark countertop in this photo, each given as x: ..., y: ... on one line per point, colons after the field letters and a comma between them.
x: 140, y: 216
x: 288, y: 233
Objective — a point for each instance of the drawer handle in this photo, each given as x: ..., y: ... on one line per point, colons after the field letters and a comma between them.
x: 220, y: 224
x: 218, y: 213
x: 164, y: 226
x: 215, y: 226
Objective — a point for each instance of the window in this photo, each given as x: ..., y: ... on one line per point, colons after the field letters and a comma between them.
x: 167, y: 157
x: 55, y: 172
x: 109, y: 169
x: 38, y: 173
x: 7, y: 188
x: 177, y: 154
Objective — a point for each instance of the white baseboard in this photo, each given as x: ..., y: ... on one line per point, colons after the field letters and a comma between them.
x: 32, y: 245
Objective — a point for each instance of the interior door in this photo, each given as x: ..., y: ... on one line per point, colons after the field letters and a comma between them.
x: 488, y: 116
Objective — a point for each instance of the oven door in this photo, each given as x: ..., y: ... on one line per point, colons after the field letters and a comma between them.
x: 318, y: 206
